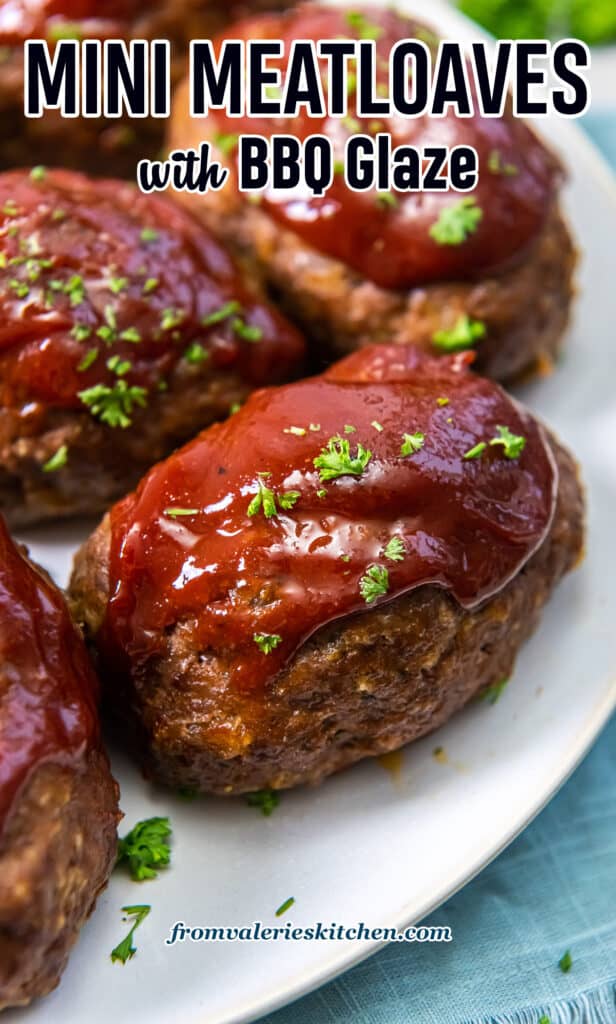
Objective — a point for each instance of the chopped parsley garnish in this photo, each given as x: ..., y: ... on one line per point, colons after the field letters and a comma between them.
x: 387, y: 200
x: 226, y: 142
x: 374, y: 584
x: 149, y: 235
x: 350, y: 429
x: 442, y: 402
x: 565, y: 963
x: 322, y: 493
x: 125, y: 950
x: 544, y: 1019
x: 267, y: 501
x: 176, y: 513
x: 38, y: 173
x: 358, y: 22
x: 130, y: 334
x: 474, y: 453
x: 493, y: 693
x: 10, y: 208
x: 171, y: 317
x: 513, y: 444
x: 196, y: 354
x: 20, y: 288
x: 247, y: 332
x: 217, y: 317
x: 64, y: 30
x: 464, y: 334
x: 150, y: 285
x: 394, y: 550
x: 456, y: 222
x: 336, y: 460
x: 75, y: 289
x: 114, y: 405
x: 266, y: 800
x: 412, y: 443
x: 57, y: 461
x: 282, y: 909
x: 496, y: 165
x: 81, y: 332
x: 267, y: 642
x: 146, y: 848
x: 119, y: 366
x: 90, y: 357
x: 118, y: 284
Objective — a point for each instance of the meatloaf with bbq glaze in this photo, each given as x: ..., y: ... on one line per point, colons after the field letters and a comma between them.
x: 97, y: 145
x: 357, y: 268
x: 58, y: 800
x: 124, y: 330
x: 328, y: 575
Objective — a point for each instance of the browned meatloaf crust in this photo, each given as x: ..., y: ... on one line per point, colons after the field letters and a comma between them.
x: 55, y: 857
x: 525, y: 310
x: 102, y: 465
x: 99, y: 146
x: 359, y: 687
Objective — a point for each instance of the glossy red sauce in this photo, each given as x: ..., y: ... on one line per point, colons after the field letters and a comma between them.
x: 467, y: 525
x: 393, y: 246
x: 162, y: 285
x: 48, y: 689
x: 41, y: 19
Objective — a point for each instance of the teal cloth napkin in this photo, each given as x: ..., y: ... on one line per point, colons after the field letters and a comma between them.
x: 552, y: 890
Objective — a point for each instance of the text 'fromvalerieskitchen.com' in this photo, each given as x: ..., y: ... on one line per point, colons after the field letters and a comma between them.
x: 180, y: 932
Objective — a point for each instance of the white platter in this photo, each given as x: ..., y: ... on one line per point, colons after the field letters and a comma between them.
x: 367, y: 846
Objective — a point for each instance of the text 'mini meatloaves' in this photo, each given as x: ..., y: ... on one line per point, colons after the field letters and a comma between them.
x: 491, y: 269
x: 58, y: 800
x: 124, y: 330
x: 98, y: 145
x: 330, y: 573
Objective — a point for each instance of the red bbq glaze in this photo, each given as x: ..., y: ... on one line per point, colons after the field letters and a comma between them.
x: 50, y: 19
x: 392, y: 246
x: 467, y: 525
x: 95, y: 268
x: 48, y: 689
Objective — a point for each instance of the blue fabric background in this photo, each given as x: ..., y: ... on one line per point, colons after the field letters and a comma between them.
x: 553, y: 889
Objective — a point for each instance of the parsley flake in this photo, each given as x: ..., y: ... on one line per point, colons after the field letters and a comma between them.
x: 266, y: 800
x: 285, y: 906
x: 358, y: 22
x: 374, y: 584
x: 464, y: 334
x: 476, y: 451
x: 513, y: 444
x: 226, y: 142
x: 494, y: 692
x: 394, y: 550
x: 456, y: 222
x: 125, y: 950
x: 196, y: 354
x: 90, y: 357
x: 114, y: 405
x: 267, y: 642
x: 265, y: 500
x: 336, y: 460
x: 412, y: 443
x: 57, y: 461
x: 217, y: 317
x: 176, y: 513
x: 145, y: 848
x: 565, y: 963
x: 149, y: 235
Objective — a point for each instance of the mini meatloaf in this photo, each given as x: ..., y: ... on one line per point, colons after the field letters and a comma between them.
x: 490, y: 269
x: 99, y: 146
x: 331, y: 573
x: 124, y: 330
x: 58, y: 800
